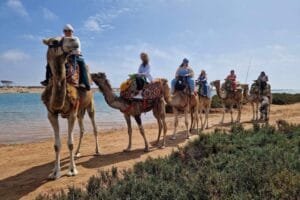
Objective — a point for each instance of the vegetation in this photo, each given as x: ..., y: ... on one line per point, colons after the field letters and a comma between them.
x: 284, y: 98
x: 260, y: 163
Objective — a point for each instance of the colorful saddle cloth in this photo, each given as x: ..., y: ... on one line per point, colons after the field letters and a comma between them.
x: 72, y: 73
x: 128, y: 90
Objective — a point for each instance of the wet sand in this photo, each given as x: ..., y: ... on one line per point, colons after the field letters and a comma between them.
x: 25, y: 167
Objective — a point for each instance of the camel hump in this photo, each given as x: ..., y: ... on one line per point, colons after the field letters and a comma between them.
x: 152, y: 91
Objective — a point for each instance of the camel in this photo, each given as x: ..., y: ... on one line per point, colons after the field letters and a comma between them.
x: 62, y: 98
x: 135, y: 108
x: 183, y: 101
x: 255, y: 98
x: 231, y: 99
x: 204, y: 106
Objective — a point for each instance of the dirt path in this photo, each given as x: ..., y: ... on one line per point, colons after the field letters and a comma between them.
x: 25, y: 167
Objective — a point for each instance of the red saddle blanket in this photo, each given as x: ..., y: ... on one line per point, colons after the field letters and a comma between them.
x: 149, y: 92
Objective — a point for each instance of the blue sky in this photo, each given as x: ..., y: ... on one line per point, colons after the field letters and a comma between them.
x: 216, y: 35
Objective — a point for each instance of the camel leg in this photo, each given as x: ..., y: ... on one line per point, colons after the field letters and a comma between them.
x: 72, y: 168
x: 239, y: 107
x: 159, y: 122
x: 206, y: 117
x: 222, y: 119
x: 91, y: 112
x: 256, y: 110
x: 53, y: 118
x: 162, y: 118
x: 175, y: 124
x: 253, y: 111
x: 139, y: 122
x: 129, y: 130
x: 201, y: 120
x: 81, y: 127
x: 186, y: 121
x: 197, y: 119
x: 231, y: 114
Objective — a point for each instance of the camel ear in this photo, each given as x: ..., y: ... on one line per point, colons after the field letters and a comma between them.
x: 46, y: 41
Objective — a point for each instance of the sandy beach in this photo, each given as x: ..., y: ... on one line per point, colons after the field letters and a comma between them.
x: 25, y: 167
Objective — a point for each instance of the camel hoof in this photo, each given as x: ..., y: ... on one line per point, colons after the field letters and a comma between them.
x: 54, y: 175
x: 173, y: 137
x: 162, y: 146
x: 77, y: 155
x: 187, y: 137
x: 126, y: 150
x: 146, y: 149
x: 72, y: 172
x: 97, y: 154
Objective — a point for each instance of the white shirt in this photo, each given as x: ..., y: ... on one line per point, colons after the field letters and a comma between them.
x: 145, y: 71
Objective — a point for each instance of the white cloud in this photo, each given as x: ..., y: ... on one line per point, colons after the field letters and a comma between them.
x: 17, y: 6
x: 31, y: 37
x: 49, y: 15
x: 96, y: 24
x: 103, y: 19
x: 14, y: 55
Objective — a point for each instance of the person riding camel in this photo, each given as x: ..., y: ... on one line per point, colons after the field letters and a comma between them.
x: 143, y: 75
x: 77, y: 57
x: 232, y: 78
x: 184, y: 70
x: 262, y: 81
x: 202, y: 82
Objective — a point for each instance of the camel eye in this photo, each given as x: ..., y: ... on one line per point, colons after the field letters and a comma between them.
x: 55, y: 42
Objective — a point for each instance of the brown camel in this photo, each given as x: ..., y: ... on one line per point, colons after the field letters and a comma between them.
x: 64, y: 99
x: 136, y: 107
x: 255, y: 98
x: 204, y: 106
x: 183, y: 101
x: 231, y: 98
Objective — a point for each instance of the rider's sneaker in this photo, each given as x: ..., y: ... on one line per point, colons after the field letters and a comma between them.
x: 44, y: 83
x: 138, y: 96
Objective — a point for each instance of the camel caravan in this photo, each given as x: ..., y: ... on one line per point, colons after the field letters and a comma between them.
x: 67, y: 94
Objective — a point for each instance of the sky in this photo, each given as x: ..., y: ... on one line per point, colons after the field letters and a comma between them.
x: 248, y: 36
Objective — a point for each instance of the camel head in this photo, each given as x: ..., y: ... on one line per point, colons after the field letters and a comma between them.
x: 216, y: 83
x: 165, y: 89
x: 58, y: 50
x: 101, y: 81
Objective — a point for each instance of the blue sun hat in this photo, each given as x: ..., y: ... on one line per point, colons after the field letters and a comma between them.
x: 185, y: 61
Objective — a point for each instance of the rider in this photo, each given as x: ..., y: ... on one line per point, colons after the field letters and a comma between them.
x: 262, y: 81
x: 202, y: 81
x: 143, y: 74
x: 184, y: 70
x: 232, y: 78
x: 75, y: 55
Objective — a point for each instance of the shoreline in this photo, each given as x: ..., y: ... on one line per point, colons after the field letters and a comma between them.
x: 25, y: 167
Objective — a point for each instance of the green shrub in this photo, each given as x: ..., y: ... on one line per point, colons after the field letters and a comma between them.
x: 244, y: 164
x: 285, y: 98
x: 216, y: 102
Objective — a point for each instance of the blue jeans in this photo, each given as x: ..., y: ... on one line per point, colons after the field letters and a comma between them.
x: 190, y: 82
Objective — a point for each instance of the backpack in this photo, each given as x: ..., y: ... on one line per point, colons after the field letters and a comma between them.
x: 180, y: 84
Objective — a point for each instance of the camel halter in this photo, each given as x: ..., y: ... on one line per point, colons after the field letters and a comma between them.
x: 59, y: 44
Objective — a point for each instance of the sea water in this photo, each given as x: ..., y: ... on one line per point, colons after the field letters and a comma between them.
x: 23, y: 118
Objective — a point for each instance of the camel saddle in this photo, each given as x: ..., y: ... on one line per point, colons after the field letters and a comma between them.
x: 150, y: 91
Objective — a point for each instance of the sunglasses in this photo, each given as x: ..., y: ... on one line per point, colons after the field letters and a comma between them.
x: 66, y: 31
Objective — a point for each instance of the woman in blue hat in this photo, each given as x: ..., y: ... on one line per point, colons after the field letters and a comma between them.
x: 184, y: 70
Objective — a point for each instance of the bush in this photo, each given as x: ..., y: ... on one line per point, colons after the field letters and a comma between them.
x: 216, y: 102
x: 260, y: 163
x: 284, y: 98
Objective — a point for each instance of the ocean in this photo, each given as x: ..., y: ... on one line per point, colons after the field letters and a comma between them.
x: 23, y: 118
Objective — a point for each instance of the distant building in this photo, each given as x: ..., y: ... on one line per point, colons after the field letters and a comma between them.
x: 6, y: 83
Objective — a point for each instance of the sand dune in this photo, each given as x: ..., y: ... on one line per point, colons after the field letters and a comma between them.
x: 25, y: 167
